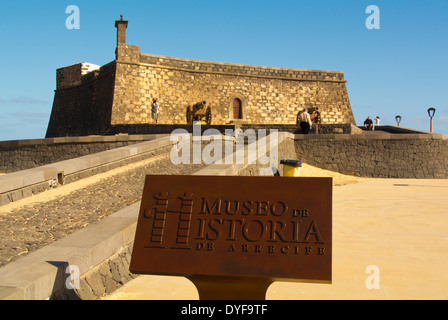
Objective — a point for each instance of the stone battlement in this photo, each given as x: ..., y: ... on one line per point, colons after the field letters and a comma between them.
x: 74, y: 74
x: 199, y: 66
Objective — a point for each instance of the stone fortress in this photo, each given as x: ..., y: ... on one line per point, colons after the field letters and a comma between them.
x: 90, y: 99
x: 100, y: 108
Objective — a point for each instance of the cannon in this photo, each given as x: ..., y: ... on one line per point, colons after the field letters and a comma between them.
x: 314, y: 114
x: 198, y: 112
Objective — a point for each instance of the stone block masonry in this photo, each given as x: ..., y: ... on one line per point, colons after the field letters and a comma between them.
x: 121, y: 92
x: 268, y: 95
x: 82, y: 101
x: 71, y: 75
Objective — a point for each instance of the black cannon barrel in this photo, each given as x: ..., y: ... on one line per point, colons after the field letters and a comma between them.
x: 200, y: 105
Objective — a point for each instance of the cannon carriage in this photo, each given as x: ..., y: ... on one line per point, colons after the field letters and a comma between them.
x: 198, y: 112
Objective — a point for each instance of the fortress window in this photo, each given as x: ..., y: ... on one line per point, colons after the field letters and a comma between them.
x: 237, y: 109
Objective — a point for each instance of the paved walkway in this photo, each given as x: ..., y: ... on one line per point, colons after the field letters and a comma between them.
x: 400, y: 227
x: 32, y: 223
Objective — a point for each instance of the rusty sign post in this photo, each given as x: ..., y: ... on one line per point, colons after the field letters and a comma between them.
x: 234, y: 236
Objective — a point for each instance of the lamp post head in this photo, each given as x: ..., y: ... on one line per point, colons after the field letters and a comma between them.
x: 431, y: 112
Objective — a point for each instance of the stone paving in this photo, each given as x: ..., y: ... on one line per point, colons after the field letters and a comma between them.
x: 390, y: 242
x: 34, y: 226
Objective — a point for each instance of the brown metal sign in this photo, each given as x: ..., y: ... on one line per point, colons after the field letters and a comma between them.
x: 276, y: 228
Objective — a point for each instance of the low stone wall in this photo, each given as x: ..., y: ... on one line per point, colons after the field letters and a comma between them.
x: 25, y: 183
x: 143, y: 129
x: 324, y: 128
x: 17, y: 155
x: 102, y: 280
x: 133, y: 129
x: 379, y: 155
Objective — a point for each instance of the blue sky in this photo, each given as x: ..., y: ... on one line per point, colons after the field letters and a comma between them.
x: 400, y: 69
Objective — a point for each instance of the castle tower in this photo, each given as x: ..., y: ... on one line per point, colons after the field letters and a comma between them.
x: 121, y: 26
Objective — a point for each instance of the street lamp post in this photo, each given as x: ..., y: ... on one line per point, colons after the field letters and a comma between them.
x: 431, y: 112
x: 398, y: 119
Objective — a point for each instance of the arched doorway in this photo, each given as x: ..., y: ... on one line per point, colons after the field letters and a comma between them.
x: 237, y: 109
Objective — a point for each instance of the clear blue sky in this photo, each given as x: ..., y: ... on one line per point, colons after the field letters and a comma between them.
x: 400, y: 69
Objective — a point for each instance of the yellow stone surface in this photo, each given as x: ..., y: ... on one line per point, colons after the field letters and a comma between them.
x: 398, y: 226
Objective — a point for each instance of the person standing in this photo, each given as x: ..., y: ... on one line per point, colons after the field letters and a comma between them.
x: 377, y: 122
x: 155, y: 110
x: 305, y: 121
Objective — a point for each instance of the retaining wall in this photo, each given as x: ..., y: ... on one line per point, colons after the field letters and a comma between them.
x: 16, y: 155
x: 377, y: 155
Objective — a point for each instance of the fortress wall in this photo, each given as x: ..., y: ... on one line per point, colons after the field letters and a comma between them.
x: 82, y: 102
x: 71, y: 76
x: 268, y: 95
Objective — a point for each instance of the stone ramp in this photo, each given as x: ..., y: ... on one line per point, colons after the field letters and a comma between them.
x: 100, y: 250
x: 32, y: 223
x: 25, y: 183
x: 42, y: 274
